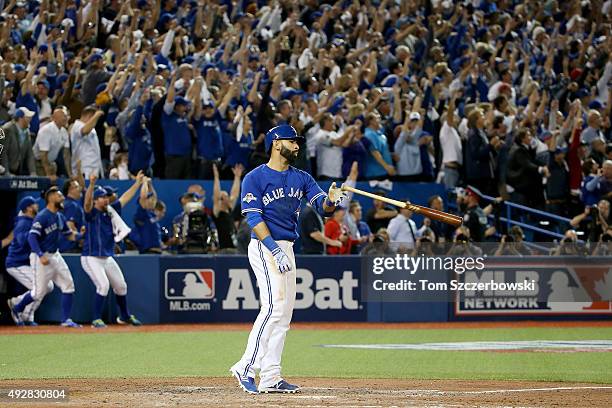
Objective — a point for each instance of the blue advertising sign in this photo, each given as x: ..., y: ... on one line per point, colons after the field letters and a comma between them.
x: 223, y: 289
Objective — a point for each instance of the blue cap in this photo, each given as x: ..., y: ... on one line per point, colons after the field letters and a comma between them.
x: 595, y: 104
x: 316, y: 15
x: 68, y: 55
x: 110, y: 190
x: 99, y: 192
x: 561, y: 150
x: 583, y: 92
x: 179, y: 100
x: 141, y: 4
x: 253, y: 57
x: 545, y: 135
x: 209, y: 103
x: 389, y: 81
x: 26, y: 202
x: 95, y: 57
x: 19, y: 67
x: 188, y: 60
x: 282, y: 132
x: 101, y: 87
x: 44, y: 83
x: 162, y: 67
x: 165, y: 18
x: 43, y: 48
x: 62, y: 78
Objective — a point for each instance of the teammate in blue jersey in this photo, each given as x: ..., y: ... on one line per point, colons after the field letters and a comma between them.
x: 18, y: 259
x: 48, y: 264
x: 104, y: 228
x: 271, y: 197
x: 73, y: 212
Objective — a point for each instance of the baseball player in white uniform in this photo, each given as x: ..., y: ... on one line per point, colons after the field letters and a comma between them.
x: 45, y: 259
x: 18, y: 260
x: 271, y: 198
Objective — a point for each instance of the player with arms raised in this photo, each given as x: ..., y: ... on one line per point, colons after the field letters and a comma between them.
x: 271, y: 198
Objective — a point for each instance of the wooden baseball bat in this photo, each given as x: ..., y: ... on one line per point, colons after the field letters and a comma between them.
x: 430, y: 213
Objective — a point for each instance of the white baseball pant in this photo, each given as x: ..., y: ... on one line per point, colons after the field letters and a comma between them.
x: 277, y: 296
x: 25, y: 275
x: 104, y: 273
x: 57, y: 271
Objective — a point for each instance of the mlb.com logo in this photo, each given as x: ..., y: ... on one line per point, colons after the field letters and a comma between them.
x: 194, y: 284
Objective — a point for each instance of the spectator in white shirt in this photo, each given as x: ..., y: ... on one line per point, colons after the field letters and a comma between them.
x: 51, y: 139
x: 450, y: 142
x: 402, y: 230
x: 85, y: 143
x: 329, y: 149
x: 43, y: 101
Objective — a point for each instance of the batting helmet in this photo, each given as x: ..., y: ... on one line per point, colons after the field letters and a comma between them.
x: 286, y: 132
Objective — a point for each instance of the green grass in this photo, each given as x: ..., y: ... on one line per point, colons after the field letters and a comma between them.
x: 211, y: 353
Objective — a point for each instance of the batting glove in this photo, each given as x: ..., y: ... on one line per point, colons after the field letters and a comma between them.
x: 335, y: 195
x: 282, y: 260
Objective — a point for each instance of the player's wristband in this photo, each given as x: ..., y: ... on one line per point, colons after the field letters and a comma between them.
x: 328, y: 202
x: 270, y: 243
x: 40, y: 254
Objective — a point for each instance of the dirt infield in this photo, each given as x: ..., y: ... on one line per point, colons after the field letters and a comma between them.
x: 53, y: 329
x: 320, y: 392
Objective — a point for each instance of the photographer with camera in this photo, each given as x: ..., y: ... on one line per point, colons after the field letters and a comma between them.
x: 594, y: 221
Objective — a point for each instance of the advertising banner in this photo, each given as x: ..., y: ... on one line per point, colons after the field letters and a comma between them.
x: 223, y: 289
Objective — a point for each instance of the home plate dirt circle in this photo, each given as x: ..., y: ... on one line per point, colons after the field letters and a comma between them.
x: 321, y: 392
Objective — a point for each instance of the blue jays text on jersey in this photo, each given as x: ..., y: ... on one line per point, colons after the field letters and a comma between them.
x: 19, y: 250
x: 46, y: 230
x: 276, y: 195
x: 99, y: 237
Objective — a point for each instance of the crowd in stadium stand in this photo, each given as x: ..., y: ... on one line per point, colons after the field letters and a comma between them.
x: 509, y: 97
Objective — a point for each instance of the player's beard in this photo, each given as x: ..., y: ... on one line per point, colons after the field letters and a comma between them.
x: 59, y: 205
x: 289, y: 155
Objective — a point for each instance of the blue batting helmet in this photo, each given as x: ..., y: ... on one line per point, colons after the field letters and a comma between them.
x: 286, y: 132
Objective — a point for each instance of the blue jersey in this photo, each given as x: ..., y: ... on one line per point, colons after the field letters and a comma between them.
x: 46, y: 232
x: 177, y: 136
x: 73, y: 211
x: 19, y: 250
x: 147, y: 229
x: 210, y: 141
x: 99, y: 237
x: 277, y: 196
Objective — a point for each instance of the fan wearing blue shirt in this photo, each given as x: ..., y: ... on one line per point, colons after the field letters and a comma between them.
x: 18, y: 259
x: 99, y: 247
x: 208, y: 124
x: 177, y: 135
x: 138, y: 136
x: 48, y: 264
x: 147, y: 231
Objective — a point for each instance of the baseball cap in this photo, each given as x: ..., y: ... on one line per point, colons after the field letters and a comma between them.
x: 19, y: 68
x: 44, y: 83
x: 595, y: 104
x: 99, y: 192
x: 23, y: 112
x: 179, y: 100
x: 415, y: 116
x: 208, y: 104
x: 95, y: 57
x: 26, y: 202
x: 110, y: 190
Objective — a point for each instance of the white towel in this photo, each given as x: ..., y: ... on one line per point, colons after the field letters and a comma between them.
x: 120, y: 228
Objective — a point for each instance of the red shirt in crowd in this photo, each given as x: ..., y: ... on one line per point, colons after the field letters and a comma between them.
x: 333, y: 230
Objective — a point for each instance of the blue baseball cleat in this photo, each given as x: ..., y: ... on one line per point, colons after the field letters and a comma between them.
x: 70, y: 323
x: 14, y: 314
x: 246, y: 383
x: 30, y: 323
x: 131, y: 320
x: 282, y: 387
x: 98, y: 324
